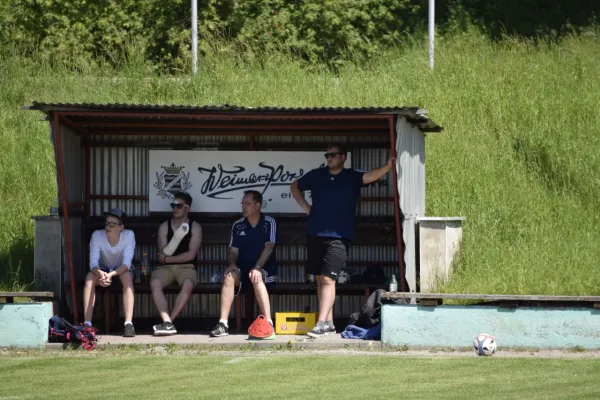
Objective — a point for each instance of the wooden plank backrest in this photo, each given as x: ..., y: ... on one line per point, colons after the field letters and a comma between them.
x: 290, y: 230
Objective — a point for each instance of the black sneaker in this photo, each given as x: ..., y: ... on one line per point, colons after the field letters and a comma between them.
x: 318, y: 331
x: 129, y: 331
x: 164, y: 329
x: 219, y: 330
x: 329, y: 329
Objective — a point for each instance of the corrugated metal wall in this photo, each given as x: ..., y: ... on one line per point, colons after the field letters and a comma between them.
x: 124, y: 171
x: 73, y: 164
x: 119, y: 171
x: 410, y: 148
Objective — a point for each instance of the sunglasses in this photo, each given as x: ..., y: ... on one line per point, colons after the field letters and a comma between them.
x: 111, y: 224
x: 331, y: 155
x: 178, y: 206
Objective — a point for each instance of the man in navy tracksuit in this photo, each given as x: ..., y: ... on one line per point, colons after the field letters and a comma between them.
x: 251, y: 259
x: 334, y: 191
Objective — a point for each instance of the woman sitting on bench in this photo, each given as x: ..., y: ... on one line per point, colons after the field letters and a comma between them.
x: 111, y: 252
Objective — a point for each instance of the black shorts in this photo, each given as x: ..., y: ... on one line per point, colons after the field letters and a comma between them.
x: 326, y: 256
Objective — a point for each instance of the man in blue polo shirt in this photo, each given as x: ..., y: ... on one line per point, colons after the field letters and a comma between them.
x: 334, y: 191
x: 251, y: 259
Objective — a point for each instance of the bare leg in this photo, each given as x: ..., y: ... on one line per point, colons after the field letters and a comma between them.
x: 182, y: 298
x: 319, y: 280
x: 89, y: 296
x: 262, y: 297
x: 128, y: 298
x: 227, y: 294
x: 320, y: 284
x: 159, y: 299
x: 327, y: 299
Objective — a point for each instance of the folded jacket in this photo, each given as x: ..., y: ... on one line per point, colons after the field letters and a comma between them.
x: 356, y: 332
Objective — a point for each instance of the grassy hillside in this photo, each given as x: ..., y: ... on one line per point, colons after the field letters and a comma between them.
x: 520, y: 155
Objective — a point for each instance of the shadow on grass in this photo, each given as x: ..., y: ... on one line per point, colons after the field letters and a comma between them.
x: 549, y: 171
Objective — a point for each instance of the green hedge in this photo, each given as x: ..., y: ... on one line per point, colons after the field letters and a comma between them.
x: 331, y: 31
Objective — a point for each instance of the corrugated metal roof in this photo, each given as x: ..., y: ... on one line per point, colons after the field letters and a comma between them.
x: 413, y: 114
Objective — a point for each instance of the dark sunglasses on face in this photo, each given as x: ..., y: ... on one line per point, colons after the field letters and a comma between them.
x: 111, y: 224
x: 178, y: 206
x: 331, y: 155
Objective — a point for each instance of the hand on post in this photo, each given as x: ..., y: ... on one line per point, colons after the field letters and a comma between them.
x: 391, y: 162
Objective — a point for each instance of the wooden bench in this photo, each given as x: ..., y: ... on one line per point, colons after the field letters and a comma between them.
x: 501, y: 300
x: 217, y: 230
x: 111, y: 294
x: 9, y: 297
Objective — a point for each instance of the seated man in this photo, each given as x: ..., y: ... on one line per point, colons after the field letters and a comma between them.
x: 111, y: 252
x: 179, y: 240
x: 251, y: 259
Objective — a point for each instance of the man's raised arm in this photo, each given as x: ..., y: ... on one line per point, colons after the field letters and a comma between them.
x: 377, y: 173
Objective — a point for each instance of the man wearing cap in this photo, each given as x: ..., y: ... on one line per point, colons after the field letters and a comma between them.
x: 335, y: 191
x: 175, y: 264
x: 111, y: 252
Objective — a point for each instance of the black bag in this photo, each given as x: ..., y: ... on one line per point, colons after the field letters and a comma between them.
x: 63, y: 331
x: 370, y: 314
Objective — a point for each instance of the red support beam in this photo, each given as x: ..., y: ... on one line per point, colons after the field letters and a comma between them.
x: 258, y: 145
x: 87, y: 186
x: 78, y: 129
x: 224, y: 116
x: 228, y: 125
x: 65, y: 209
x: 397, y: 206
x: 217, y: 132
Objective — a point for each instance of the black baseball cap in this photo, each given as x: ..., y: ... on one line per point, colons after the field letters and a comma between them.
x: 115, y: 212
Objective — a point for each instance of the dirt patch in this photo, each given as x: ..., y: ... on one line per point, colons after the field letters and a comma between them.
x: 183, y: 351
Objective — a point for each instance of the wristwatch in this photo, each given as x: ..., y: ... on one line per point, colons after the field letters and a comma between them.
x: 258, y: 267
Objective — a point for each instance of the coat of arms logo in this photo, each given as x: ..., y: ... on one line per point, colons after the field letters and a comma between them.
x: 172, y: 180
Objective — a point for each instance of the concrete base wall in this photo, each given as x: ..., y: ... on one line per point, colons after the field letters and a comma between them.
x: 47, y: 255
x: 439, y: 244
x: 24, y: 324
x: 457, y: 326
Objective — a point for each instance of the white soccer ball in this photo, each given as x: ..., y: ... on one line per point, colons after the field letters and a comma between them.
x: 484, y: 345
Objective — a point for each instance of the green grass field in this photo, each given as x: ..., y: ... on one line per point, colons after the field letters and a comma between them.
x: 305, y: 377
x: 519, y: 157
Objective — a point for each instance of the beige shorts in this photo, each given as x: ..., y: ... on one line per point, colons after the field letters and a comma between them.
x: 167, y: 274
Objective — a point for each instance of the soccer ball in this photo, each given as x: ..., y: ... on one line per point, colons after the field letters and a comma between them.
x: 484, y: 345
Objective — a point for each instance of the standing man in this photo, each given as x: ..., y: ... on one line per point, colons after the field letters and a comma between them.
x: 111, y: 252
x: 251, y: 260
x: 179, y: 265
x: 334, y: 191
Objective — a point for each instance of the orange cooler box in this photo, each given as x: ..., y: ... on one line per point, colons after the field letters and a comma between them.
x: 295, y: 323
